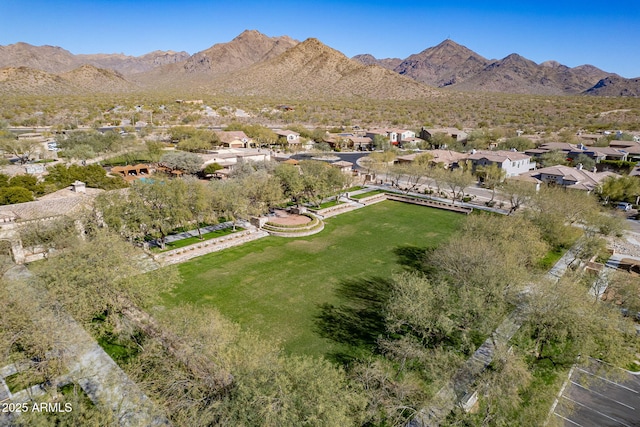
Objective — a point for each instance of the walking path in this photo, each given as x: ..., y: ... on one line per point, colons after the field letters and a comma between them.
x: 462, y: 382
x: 88, y: 364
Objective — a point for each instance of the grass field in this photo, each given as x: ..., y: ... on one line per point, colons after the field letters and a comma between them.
x: 274, y: 285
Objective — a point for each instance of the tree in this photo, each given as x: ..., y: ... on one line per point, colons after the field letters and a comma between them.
x: 93, y: 175
x: 553, y: 158
x: 85, y: 145
x: 413, y: 173
x: 520, y: 143
x: 197, y: 199
x: 100, y: 275
x: 320, y: 180
x: 441, y: 140
x: 618, y: 189
x: 22, y: 149
x: 564, y: 323
x: 491, y: 177
x: 180, y: 160
x: 587, y: 162
x: 159, y: 207
x: 380, y: 162
x: 380, y: 142
x: 211, y: 168
x: 229, y: 199
x: 29, y: 182
x: 518, y: 193
x: 457, y: 180
x: 469, y: 258
x: 55, y: 234
x: 554, y: 210
x: 290, y: 180
x: 269, y: 387
x: 11, y: 195
x: 194, y: 144
x: 622, y: 291
x: 154, y: 150
x: 262, y: 192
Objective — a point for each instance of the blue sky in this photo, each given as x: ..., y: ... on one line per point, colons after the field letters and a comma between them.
x: 604, y: 34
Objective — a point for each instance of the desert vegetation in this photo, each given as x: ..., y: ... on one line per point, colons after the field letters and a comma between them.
x: 370, y: 317
x: 530, y: 113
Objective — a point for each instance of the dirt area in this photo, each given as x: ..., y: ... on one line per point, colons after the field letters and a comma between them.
x: 624, y: 246
x: 285, y: 218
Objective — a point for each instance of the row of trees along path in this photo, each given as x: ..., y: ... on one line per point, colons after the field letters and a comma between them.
x: 463, y: 380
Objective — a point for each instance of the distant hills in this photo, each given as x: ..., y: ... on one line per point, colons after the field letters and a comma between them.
x: 255, y: 64
x: 454, y: 66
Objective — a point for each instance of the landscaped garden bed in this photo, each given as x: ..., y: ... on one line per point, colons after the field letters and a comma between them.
x: 193, y: 240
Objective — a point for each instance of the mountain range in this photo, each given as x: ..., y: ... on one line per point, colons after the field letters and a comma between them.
x: 255, y: 64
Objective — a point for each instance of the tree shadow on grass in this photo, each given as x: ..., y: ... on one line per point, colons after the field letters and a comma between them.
x: 413, y: 257
x: 359, y: 320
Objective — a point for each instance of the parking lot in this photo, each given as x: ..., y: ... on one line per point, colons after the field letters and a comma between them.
x: 597, y: 395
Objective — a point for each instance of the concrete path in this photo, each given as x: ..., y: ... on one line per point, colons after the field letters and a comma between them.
x: 89, y: 365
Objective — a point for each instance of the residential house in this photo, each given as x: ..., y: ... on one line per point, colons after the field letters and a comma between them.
x: 569, y: 177
x: 288, y: 137
x: 344, y: 166
x: 233, y: 139
x: 395, y: 136
x: 632, y: 149
x: 361, y: 143
x: 512, y: 162
x: 589, y: 138
x: 403, y: 135
x: 445, y: 158
x: 229, y: 158
x: 547, y: 147
x: 598, y: 153
x: 457, y: 134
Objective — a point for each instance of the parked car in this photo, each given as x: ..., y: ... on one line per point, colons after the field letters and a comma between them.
x: 624, y: 206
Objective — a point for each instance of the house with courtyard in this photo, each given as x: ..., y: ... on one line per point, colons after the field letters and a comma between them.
x: 512, y: 162
x: 68, y: 202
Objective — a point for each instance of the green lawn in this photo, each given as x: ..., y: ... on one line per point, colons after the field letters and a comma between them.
x: 368, y: 194
x: 274, y: 285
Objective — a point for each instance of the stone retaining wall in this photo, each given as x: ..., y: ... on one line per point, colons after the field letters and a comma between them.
x: 372, y: 199
x: 429, y: 203
x: 334, y: 210
x: 303, y: 232
x: 213, y: 245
